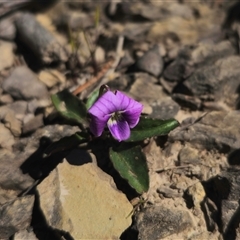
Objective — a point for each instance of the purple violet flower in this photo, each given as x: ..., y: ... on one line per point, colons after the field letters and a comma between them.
x: 116, y: 110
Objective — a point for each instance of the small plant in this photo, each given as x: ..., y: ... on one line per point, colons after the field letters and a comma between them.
x: 125, y: 131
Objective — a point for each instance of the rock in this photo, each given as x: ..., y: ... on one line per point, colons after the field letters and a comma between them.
x: 146, y: 89
x: 7, y: 56
x: 25, y: 235
x: 99, y: 55
x: 10, y: 121
x: 180, y: 68
x: 6, y: 138
x: 151, y: 62
x: 197, y: 193
x: 164, y: 109
x: 168, y: 192
x: 215, y: 130
x: 12, y: 180
x: 218, y: 81
x: 15, y: 216
x: 19, y: 108
x: 24, y: 84
x: 5, y: 99
x: 206, y: 54
x: 51, y: 77
x: 84, y: 201
x: 7, y: 29
x: 32, y: 124
x: 159, y: 222
x: 227, y: 185
x: 188, y: 155
x: 192, y: 103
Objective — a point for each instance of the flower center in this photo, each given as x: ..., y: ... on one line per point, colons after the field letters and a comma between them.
x: 116, y: 117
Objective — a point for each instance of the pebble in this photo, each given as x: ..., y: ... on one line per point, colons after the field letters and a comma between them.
x: 151, y: 62
x: 23, y: 84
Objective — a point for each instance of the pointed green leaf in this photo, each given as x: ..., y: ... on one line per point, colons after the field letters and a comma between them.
x: 131, y: 164
x: 148, y: 127
x: 67, y: 143
x: 92, y: 98
x: 69, y: 106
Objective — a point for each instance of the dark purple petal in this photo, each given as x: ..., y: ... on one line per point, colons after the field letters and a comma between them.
x: 97, y: 125
x: 131, y: 109
x: 119, y: 130
x: 105, y: 105
x: 132, y: 115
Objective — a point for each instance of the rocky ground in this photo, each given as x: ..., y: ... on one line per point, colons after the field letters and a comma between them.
x: 180, y: 59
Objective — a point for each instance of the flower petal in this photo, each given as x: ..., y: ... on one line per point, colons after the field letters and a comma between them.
x: 97, y: 125
x: 105, y: 105
x: 132, y: 117
x: 119, y: 130
x: 131, y: 109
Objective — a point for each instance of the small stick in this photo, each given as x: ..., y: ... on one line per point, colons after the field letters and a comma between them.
x: 94, y: 79
x: 108, y: 69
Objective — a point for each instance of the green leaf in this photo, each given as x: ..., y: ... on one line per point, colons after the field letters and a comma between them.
x: 67, y: 143
x: 92, y: 98
x: 69, y: 106
x: 148, y: 127
x: 131, y: 164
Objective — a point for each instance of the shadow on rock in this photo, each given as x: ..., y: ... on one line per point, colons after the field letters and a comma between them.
x: 38, y: 166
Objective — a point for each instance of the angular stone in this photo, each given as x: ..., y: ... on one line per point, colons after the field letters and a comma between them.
x: 7, y: 56
x: 151, y: 62
x: 33, y: 124
x: 12, y: 180
x: 83, y: 200
x: 51, y: 77
x: 218, y: 81
x: 15, y: 216
x: 145, y: 88
x: 6, y: 138
x: 8, y: 117
x: 24, y: 84
x: 215, y: 130
x: 159, y: 222
x: 19, y: 108
x: 188, y: 155
x: 197, y: 193
x: 25, y: 235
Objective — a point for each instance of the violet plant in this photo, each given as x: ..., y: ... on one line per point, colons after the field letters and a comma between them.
x: 117, y: 120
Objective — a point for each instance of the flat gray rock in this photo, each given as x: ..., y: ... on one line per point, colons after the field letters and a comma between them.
x: 15, y: 216
x: 215, y: 130
x: 151, y: 62
x: 159, y: 222
x: 23, y: 84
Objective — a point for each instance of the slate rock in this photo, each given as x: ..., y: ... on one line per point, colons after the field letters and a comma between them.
x: 218, y: 81
x: 227, y: 185
x: 19, y: 108
x: 151, y: 62
x: 6, y: 138
x: 83, y: 200
x: 7, y: 29
x: 215, y: 130
x: 188, y: 155
x: 8, y: 117
x: 33, y: 124
x: 25, y: 235
x: 145, y: 88
x: 24, y: 84
x: 12, y: 180
x: 16, y: 216
x: 159, y: 222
